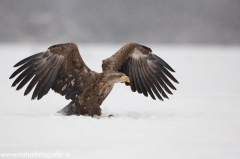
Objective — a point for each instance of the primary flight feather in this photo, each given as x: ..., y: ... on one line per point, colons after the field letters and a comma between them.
x: 62, y: 69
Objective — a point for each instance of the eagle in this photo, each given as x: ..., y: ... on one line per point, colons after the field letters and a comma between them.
x: 62, y: 69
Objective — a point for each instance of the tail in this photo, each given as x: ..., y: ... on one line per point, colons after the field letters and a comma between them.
x: 70, y: 109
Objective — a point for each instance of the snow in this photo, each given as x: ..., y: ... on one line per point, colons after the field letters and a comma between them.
x: 201, y: 119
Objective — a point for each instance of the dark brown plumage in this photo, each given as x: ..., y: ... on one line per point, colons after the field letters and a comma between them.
x: 62, y: 69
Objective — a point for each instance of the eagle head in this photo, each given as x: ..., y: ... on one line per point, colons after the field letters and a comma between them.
x: 114, y: 77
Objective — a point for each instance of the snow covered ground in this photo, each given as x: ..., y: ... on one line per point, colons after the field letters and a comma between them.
x: 201, y: 120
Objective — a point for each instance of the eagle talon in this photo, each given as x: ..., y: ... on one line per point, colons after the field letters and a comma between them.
x: 102, y: 116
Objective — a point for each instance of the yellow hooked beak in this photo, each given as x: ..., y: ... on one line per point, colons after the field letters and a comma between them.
x: 125, y: 79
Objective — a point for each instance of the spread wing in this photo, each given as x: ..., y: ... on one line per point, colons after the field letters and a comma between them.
x: 60, y: 68
x: 148, y: 73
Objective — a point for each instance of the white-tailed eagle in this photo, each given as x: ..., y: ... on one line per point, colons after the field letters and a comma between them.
x: 62, y: 69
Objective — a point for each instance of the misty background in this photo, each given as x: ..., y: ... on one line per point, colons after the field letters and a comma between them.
x: 122, y: 21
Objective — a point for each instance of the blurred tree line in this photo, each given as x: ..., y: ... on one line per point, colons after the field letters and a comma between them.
x: 121, y: 21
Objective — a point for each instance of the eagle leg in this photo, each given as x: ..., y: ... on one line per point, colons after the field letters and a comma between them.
x: 74, y: 108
